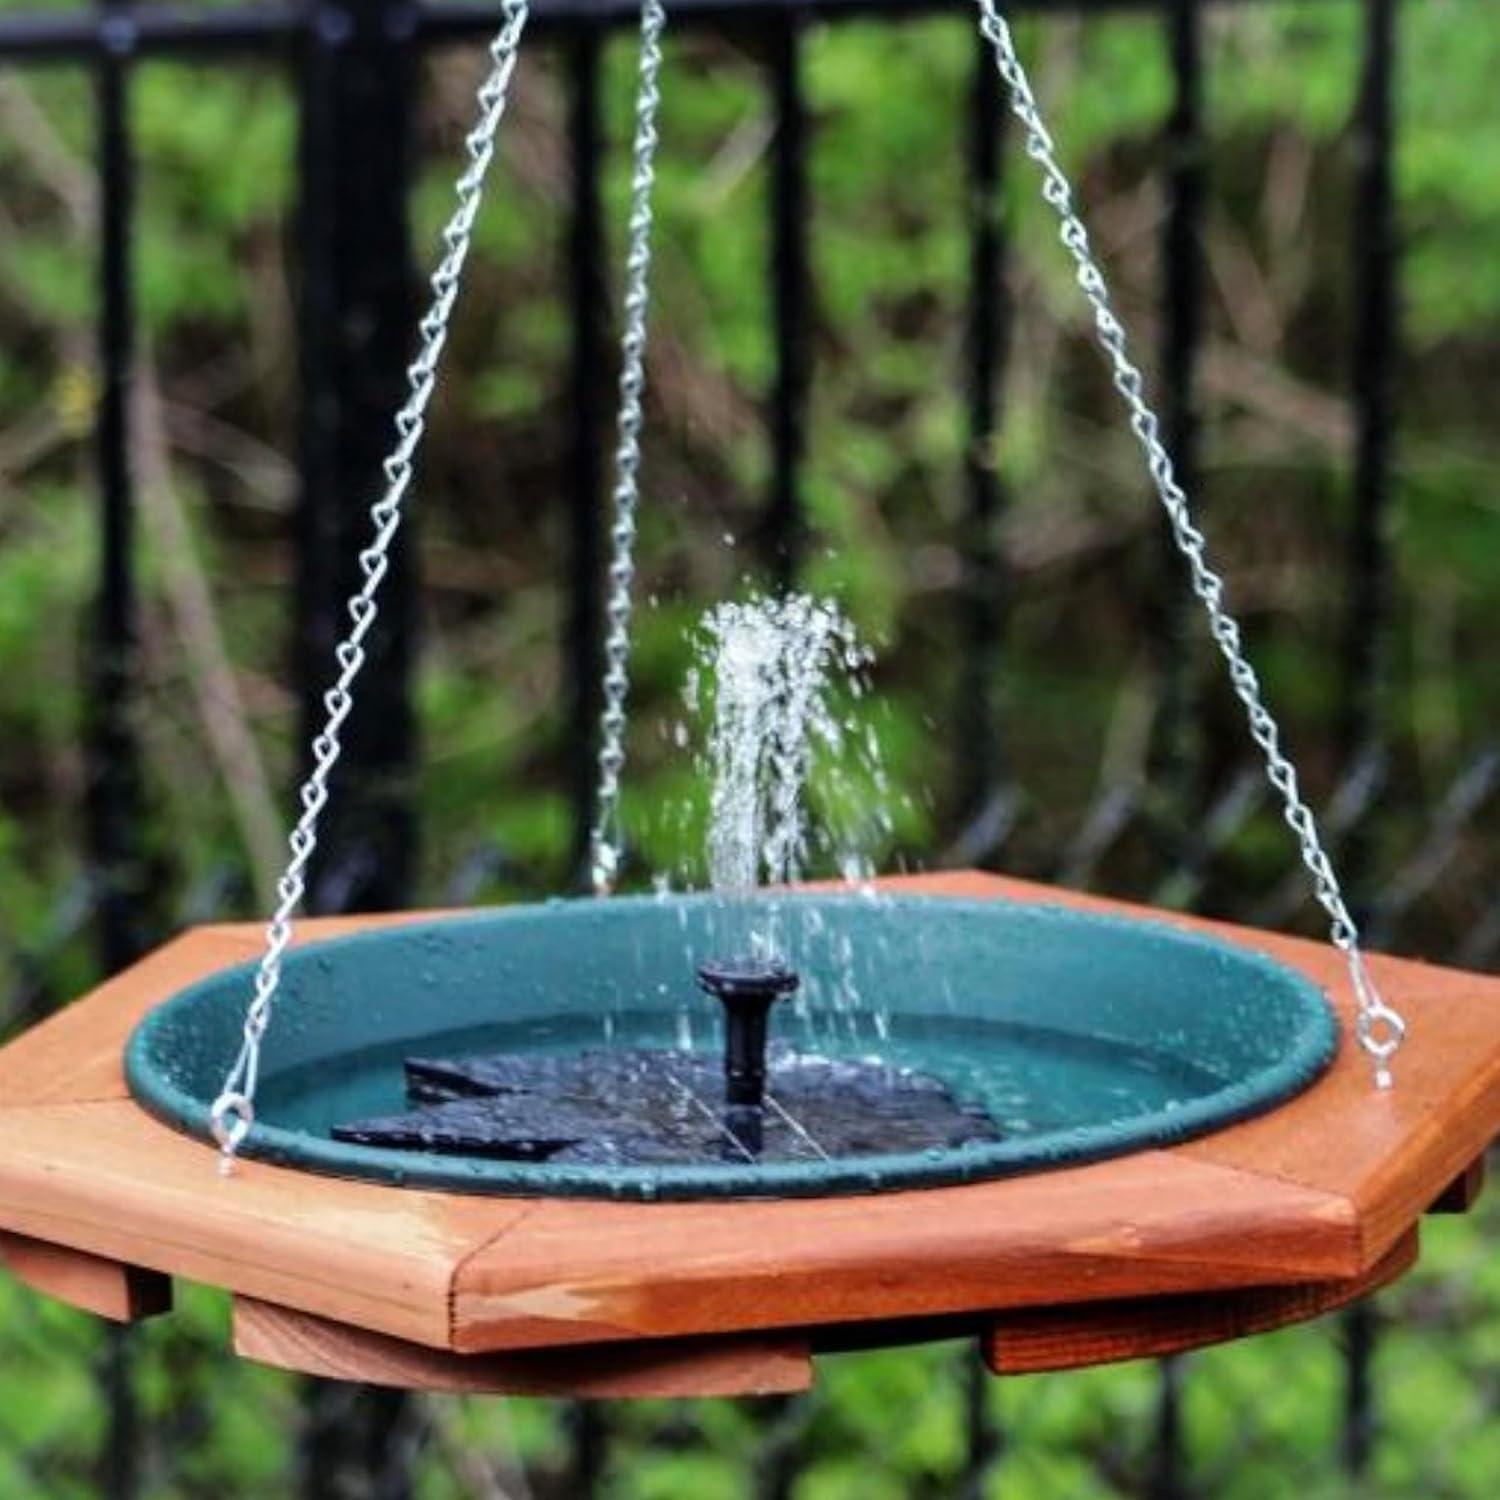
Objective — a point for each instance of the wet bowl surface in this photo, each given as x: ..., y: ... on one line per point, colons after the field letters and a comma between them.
x: 1083, y: 1036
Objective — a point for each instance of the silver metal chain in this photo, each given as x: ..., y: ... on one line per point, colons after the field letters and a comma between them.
x: 1379, y: 1027
x: 606, y: 840
x: 234, y: 1110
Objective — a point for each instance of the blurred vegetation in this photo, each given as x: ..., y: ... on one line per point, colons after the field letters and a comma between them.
x: 1077, y: 679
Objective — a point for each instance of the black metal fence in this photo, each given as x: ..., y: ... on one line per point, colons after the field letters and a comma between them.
x: 354, y: 62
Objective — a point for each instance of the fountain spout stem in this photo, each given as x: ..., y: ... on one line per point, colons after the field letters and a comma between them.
x: 747, y: 988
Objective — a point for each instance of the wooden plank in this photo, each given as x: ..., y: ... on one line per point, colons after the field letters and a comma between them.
x: 575, y: 1270
x: 1040, y: 1339
x: 488, y: 1273
x: 107, y: 1288
x: 106, y: 1178
x: 762, y: 1365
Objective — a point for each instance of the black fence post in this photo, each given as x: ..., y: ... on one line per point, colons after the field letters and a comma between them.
x: 1166, y: 1480
x: 356, y: 325
x: 785, y: 522
x: 983, y: 594
x: 588, y: 308
x: 1176, y: 735
x: 114, y: 791
x: 1374, y: 353
x: 1363, y: 729
x: 1173, y: 613
x: 114, y: 810
x: 984, y: 1441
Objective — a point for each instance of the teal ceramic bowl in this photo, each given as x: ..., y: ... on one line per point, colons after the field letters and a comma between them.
x: 1083, y: 1036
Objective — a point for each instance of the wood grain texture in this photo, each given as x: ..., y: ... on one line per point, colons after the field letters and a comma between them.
x: 107, y: 1178
x: 121, y: 1293
x: 1316, y: 1192
x: 573, y: 1270
x: 1040, y: 1339
x: 763, y: 1365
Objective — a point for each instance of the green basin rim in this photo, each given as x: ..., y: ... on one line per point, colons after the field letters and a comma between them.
x: 170, y: 1041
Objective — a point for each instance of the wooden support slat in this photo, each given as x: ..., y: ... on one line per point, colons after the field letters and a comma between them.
x: 107, y: 1288
x: 762, y: 1365
x: 1038, y: 1339
x: 1463, y: 1192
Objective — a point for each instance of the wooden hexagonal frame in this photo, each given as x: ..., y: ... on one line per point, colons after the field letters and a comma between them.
x: 1263, y: 1223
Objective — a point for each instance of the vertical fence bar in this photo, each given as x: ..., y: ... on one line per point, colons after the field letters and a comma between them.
x: 778, y: 1459
x: 355, y: 320
x: 782, y: 1421
x: 1366, y: 629
x: 1360, y: 1338
x: 355, y: 323
x: 1167, y: 1481
x: 1175, y: 620
x: 1374, y: 354
x: 785, y: 522
x: 984, y: 1439
x: 1175, y: 735
x: 983, y: 599
x: 588, y: 1435
x: 114, y: 810
x: 587, y: 311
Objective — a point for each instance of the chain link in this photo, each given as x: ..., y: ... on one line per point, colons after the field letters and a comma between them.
x: 605, y: 842
x: 234, y: 1110
x: 1380, y: 1028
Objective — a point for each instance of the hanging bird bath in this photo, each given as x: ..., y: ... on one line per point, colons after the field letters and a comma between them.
x: 1074, y: 1130
x: 1065, y: 1036
x: 1192, y: 1231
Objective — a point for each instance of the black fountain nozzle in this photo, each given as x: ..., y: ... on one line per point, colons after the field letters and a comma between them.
x: 747, y: 988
